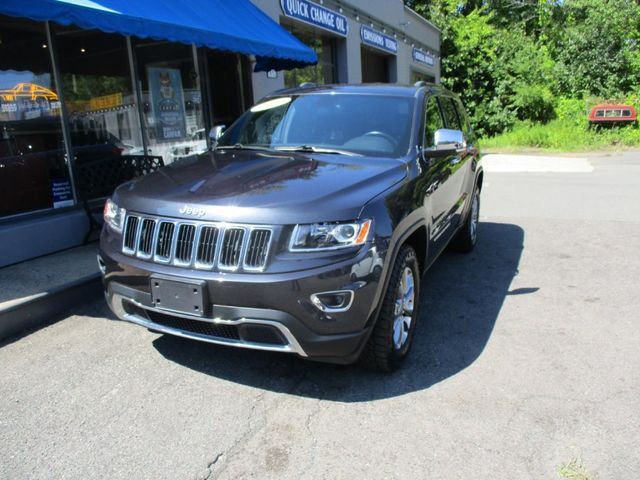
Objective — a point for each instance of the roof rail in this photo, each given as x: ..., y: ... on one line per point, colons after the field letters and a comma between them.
x: 308, y: 85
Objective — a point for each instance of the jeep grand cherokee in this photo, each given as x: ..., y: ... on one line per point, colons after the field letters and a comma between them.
x: 306, y: 229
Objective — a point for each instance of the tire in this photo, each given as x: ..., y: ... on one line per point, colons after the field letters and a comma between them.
x: 395, y: 327
x: 467, y: 237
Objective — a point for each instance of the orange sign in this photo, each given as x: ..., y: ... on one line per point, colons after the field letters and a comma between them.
x: 105, y: 101
x: 32, y: 91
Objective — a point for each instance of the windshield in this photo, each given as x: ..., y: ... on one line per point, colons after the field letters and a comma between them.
x: 372, y: 125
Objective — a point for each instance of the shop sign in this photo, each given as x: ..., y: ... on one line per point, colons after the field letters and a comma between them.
x: 167, y: 100
x: 378, y: 40
x: 105, y: 102
x: 316, y: 15
x: 422, y: 57
x: 8, y: 108
x: 61, y: 192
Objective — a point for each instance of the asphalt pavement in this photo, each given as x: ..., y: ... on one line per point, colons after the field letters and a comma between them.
x: 526, y: 360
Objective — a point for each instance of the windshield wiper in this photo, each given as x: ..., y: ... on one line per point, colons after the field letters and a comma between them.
x: 312, y: 149
x: 240, y: 146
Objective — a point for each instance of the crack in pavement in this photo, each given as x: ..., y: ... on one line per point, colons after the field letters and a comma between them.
x: 211, y: 464
x: 252, y: 428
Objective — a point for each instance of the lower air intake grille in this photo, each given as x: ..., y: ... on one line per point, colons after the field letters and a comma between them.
x: 194, y: 326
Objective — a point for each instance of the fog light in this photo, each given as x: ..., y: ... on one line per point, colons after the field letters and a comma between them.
x: 336, y: 301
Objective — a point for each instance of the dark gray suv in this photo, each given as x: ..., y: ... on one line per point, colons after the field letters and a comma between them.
x: 306, y: 229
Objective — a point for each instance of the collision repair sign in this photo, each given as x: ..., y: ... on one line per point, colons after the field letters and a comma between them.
x: 315, y: 14
x: 420, y: 56
x: 378, y: 40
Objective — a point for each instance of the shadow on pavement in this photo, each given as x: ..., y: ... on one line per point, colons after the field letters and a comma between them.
x: 461, y: 299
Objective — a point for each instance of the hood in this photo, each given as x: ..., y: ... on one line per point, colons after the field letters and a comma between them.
x: 263, y: 187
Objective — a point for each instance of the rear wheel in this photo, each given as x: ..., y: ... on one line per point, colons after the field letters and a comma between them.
x: 467, y: 237
x: 393, y: 332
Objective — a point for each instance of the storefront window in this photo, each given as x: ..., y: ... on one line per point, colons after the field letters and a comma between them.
x: 321, y: 73
x: 172, y: 101
x: 34, y: 174
x: 421, y: 77
x: 102, y: 112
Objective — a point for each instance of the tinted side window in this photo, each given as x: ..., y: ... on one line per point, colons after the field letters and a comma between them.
x: 450, y: 114
x: 464, y: 120
x: 433, y: 121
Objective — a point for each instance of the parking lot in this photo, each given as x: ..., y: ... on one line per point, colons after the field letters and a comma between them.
x: 526, y: 359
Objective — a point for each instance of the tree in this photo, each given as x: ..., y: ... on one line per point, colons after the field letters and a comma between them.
x: 597, y: 48
x: 515, y: 60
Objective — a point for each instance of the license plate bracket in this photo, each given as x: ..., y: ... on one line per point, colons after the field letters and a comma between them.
x: 179, y: 296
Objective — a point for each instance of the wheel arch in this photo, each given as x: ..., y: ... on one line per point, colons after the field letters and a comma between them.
x: 480, y: 179
x: 416, y: 236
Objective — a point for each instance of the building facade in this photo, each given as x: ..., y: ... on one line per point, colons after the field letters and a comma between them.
x: 356, y: 41
x: 75, y: 101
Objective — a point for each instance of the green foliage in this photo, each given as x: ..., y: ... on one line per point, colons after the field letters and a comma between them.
x: 520, y: 63
x: 85, y: 87
x: 533, y: 102
x: 596, y: 52
x: 572, y: 110
x: 562, y: 136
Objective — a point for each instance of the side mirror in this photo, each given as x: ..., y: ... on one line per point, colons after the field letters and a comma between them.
x: 446, y: 142
x: 215, y: 133
x: 446, y: 139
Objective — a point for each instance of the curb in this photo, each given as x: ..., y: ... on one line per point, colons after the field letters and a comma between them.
x: 48, y: 307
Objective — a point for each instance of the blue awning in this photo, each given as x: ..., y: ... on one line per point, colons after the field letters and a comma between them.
x: 231, y: 25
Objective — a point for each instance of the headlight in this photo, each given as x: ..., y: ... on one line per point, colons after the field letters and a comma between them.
x: 329, y: 236
x: 114, y: 215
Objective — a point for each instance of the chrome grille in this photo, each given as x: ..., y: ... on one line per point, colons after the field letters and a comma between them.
x: 165, y: 237
x: 130, y: 234
x: 231, y: 248
x: 184, y: 244
x: 257, y: 249
x: 202, y: 245
x: 145, y: 243
x: 207, y: 246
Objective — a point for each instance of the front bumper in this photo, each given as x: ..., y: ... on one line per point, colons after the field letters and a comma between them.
x: 263, y: 311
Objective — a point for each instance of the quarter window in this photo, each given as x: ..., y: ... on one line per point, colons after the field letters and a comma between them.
x: 449, y: 111
x: 433, y: 121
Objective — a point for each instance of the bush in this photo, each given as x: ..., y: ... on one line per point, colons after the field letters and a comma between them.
x: 534, y: 102
x: 562, y: 135
x: 571, y: 110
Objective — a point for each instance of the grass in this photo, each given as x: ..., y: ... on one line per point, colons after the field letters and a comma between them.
x: 574, y: 470
x: 562, y: 136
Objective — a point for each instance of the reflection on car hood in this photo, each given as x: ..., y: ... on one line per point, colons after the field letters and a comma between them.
x: 263, y: 186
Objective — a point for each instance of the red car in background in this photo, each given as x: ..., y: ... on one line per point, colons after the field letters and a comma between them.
x: 610, y: 114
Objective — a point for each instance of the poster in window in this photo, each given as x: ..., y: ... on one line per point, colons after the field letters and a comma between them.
x: 167, y: 99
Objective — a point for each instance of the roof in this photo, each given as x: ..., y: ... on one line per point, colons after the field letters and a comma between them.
x: 362, y: 88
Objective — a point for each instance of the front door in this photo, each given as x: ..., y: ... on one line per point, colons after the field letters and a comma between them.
x: 439, y: 191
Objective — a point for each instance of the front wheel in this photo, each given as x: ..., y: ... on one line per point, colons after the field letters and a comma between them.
x: 393, y: 332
